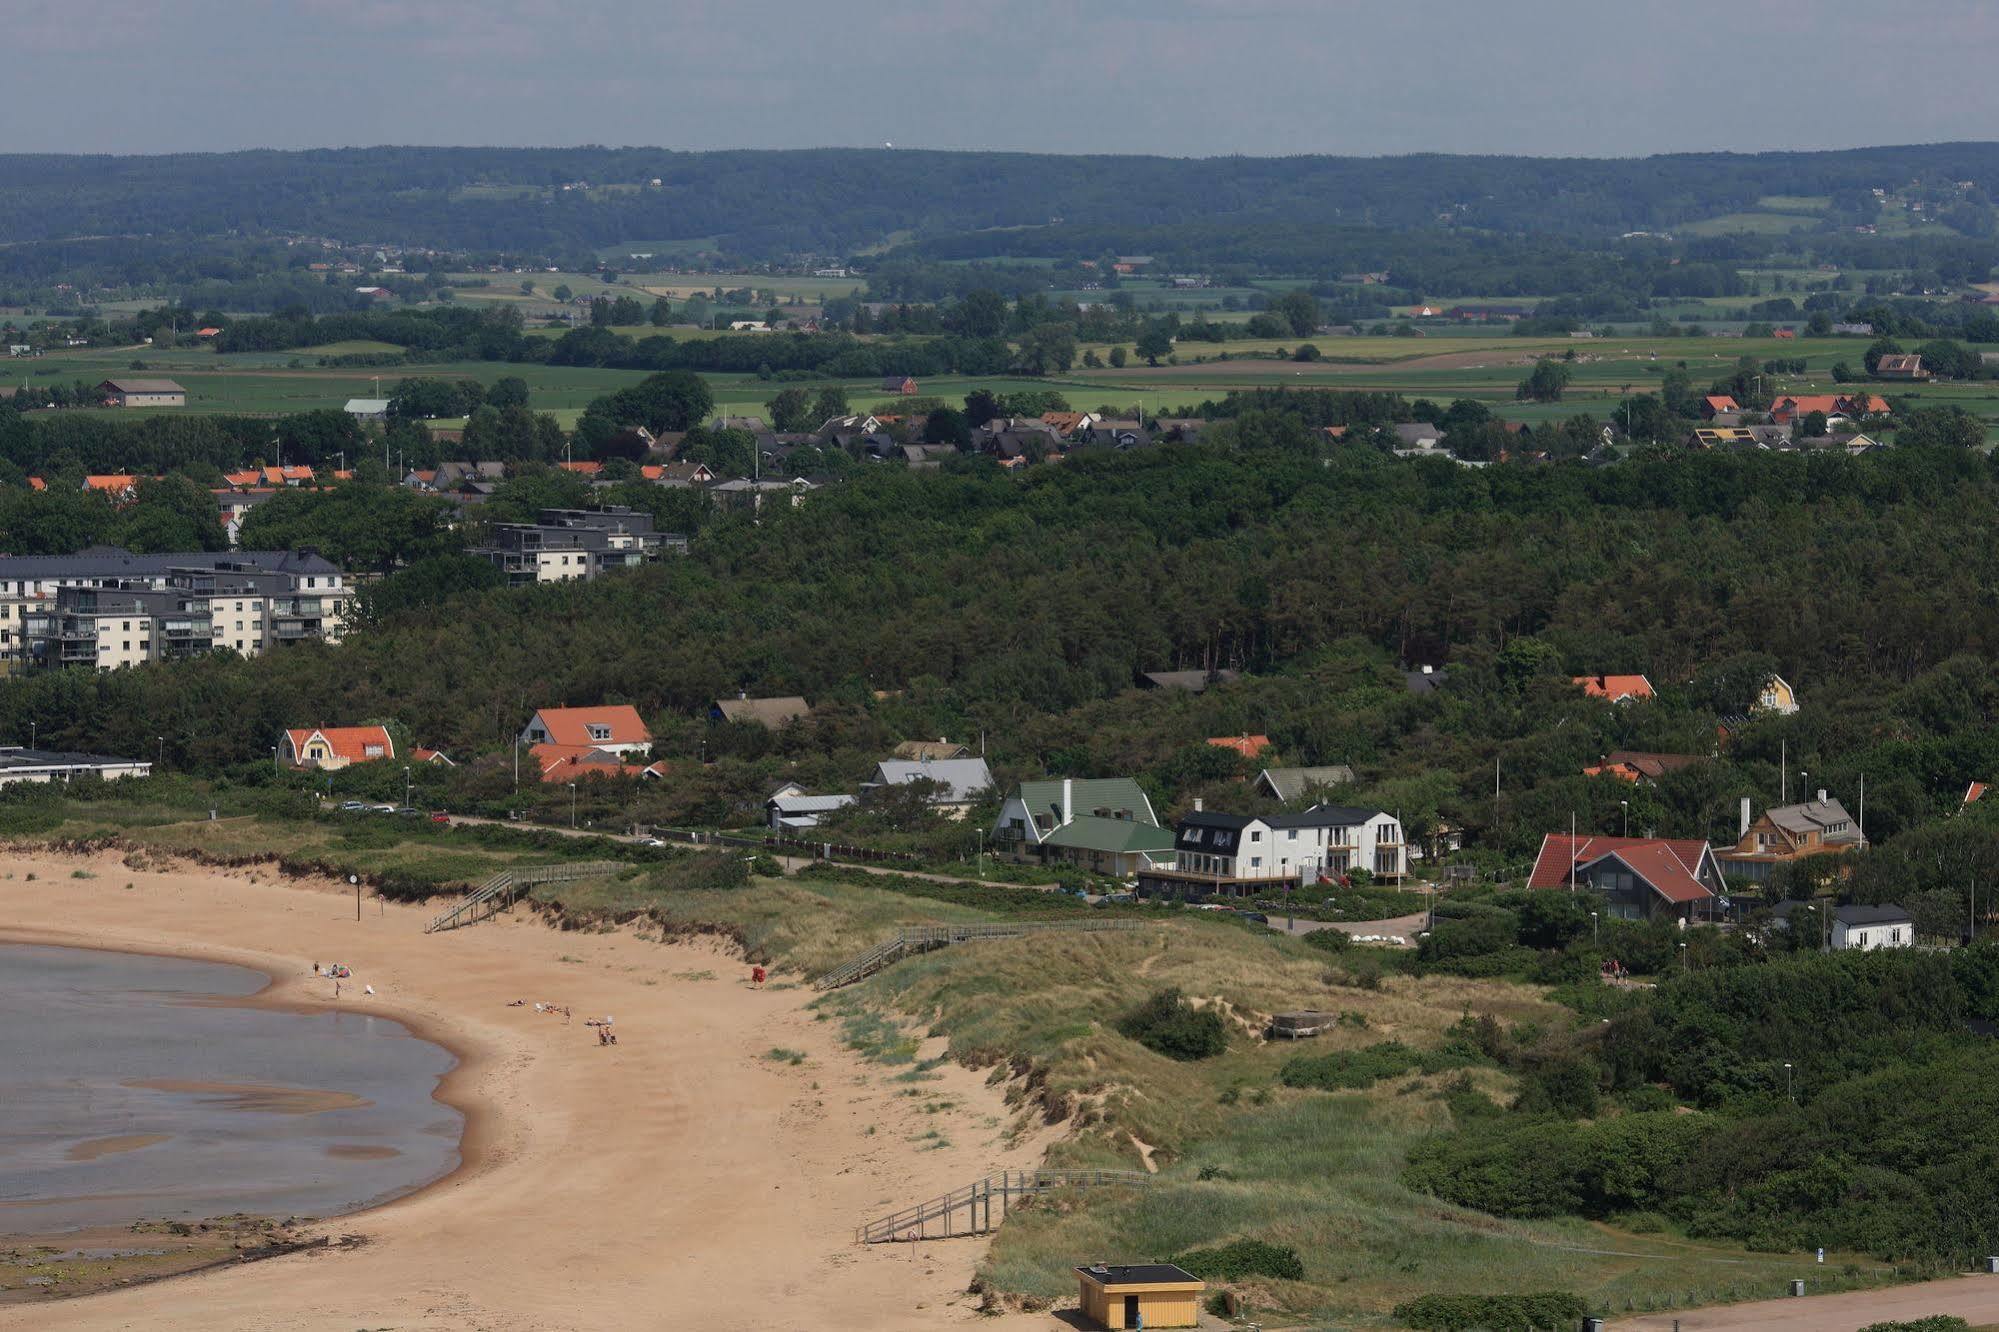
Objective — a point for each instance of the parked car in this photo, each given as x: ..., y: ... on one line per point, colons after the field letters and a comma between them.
x: 383, y: 809
x: 651, y: 841
x: 353, y: 806
x: 439, y: 816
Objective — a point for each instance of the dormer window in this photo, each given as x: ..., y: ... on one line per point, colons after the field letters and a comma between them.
x: 599, y: 731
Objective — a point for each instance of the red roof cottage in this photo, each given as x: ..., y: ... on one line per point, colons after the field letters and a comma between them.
x: 1640, y: 878
x: 333, y: 747
x: 614, y: 728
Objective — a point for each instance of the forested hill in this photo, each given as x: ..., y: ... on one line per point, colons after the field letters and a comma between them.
x: 761, y: 205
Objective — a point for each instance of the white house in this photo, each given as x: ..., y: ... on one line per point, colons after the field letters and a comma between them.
x: 963, y: 782
x: 1325, y: 841
x: 1870, y: 927
x: 1037, y: 809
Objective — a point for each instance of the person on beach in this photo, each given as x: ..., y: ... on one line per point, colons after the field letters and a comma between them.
x: 757, y: 975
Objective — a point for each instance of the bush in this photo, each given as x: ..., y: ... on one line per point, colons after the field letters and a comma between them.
x: 1329, y: 941
x: 1934, y: 1323
x: 1243, y: 1258
x: 1165, y: 1024
x: 1355, y: 1070
x: 1549, y: 1311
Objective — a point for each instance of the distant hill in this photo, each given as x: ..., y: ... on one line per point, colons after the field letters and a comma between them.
x: 766, y: 205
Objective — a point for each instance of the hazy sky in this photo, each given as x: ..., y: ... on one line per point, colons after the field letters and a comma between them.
x: 1181, y: 77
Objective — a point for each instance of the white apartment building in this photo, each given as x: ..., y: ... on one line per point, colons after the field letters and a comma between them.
x: 1325, y: 841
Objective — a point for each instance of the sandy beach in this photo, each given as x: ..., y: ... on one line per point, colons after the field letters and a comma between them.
x: 679, y: 1178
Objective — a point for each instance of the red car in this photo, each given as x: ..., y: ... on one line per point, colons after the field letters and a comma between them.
x: 439, y: 816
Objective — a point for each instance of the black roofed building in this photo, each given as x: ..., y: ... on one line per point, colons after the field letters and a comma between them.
x: 1246, y: 854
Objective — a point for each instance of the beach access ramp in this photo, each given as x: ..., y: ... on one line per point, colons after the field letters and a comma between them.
x: 923, y: 938
x: 498, y: 892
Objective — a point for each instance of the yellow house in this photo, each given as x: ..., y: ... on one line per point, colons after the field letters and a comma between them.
x: 1144, y: 1295
x: 1777, y: 696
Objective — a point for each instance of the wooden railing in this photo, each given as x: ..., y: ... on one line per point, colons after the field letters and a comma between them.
x: 969, y: 1210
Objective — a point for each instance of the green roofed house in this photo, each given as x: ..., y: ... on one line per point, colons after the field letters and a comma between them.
x: 1105, y: 825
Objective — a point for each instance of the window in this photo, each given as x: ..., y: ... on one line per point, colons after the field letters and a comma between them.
x: 1256, y: 836
x: 1290, y: 834
x: 599, y: 731
x: 1256, y: 862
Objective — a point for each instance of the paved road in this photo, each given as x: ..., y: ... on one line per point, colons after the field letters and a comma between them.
x: 1972, y: 1298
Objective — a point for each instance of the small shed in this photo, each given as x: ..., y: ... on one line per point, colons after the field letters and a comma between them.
x: 1140, y: 1295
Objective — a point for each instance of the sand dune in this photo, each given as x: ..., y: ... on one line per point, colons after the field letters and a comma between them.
x: 676, y: 1179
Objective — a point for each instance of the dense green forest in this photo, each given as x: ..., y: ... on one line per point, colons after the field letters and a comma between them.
x: 763, y: 205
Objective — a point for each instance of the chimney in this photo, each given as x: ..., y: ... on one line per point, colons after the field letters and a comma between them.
x: 1821, y: 795
x: 1068, y: 800
x: 1197, y: 804
x: 742, y: 693
x: 1743, y: 831
x: 1428, y: 669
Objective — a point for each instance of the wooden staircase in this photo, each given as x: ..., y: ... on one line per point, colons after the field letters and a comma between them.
x: 497, y: 892
x: 969, y: 1210
x: 923, y: 938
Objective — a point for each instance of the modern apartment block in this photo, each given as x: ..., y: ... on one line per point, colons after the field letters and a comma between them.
x: 109, y: 608
x: 566, y: 544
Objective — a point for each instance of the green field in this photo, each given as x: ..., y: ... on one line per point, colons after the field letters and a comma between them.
x: 1439, y: 366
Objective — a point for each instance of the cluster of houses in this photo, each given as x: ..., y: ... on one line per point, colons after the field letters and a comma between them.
x: 1726, y: 424
x: 564, y: 545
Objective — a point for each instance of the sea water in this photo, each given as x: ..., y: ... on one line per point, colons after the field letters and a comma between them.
x: 132, y: 1088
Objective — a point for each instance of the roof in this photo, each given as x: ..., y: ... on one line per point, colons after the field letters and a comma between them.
x: 1631, y: 764
x: 1885, y: 914
x: 1973, y: 792
x: 1249, y: 746
x: 571, y: 726
x: 1670, y: 865
x: 1291, y: 783
x: 347, y: 742
x: 1087, y: 795
x: 115, y: 485
x: 142, y: 386
x: 111, y: 562
x: 1425, y: 679
x: 771, y: 712
x: 564, y: 763
x: 1614, y: 687
x: 1138, y: 1274
x: 808, y: 804
x: 963, y: 778
x: 1193, y: 681
x: 931, y: 749
x: 1093, y: 832
x: 368, y: 406
x: 1810, y: 816
x: 1721, y: 402
x: 1898, y: 363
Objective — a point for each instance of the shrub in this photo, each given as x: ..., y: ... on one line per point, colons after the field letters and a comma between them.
x: 1164, y: 1023
x: 1545, y: 1312
x: 1243, y: 1258
x: 1934, y: 1323
x: 1354, y: 1070
x: 1329, y: 941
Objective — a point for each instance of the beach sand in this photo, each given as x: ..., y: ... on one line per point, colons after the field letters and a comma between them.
x: 677, y: 1179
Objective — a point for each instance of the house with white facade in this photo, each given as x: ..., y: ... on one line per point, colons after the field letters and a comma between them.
x: 961, y: 782
x: 1104, y: 825
x: 1870, y: 927
x: 1245, y: 854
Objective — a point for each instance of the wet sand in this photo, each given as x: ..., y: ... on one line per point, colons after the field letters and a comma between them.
x: 129, y: 1142
x: 677, y: 1178
x: 257, y: 1097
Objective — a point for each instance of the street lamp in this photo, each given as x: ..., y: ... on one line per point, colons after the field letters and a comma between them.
x: 572, y: 804
x: 274, y: 761
x: 163, y: 752
x: 1592, y: 929
x: 1683, y: 956
x: 1625, y: 806
x: 406, y: 787
x: 1787, y: 1084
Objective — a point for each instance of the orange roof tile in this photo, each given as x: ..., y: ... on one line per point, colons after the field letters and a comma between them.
x: 349, y: 742
x: 1614, y: 687
x: 1249, y: 746
x: 571, y: 726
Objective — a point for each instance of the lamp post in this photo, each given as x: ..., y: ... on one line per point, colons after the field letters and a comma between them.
x: 274, y: 760
x: 1787, y: 1084
x: 1683, y: 957
x: 406, y: 787
x: 1592, y: 929
x: 31, y: 734
x: 982, y: 853
x: 572, y: 807
x: 163, y: 752
x: 1625, y: 806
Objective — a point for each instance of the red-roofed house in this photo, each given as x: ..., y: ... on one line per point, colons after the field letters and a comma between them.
x: 1616, y: 688
x: 438, y: 756
x: 1797, y: 406
x: 570, y: 763
x: 615, y: 729
x: 1973, y: 792
x: 1249, y: 746
x: 36, y: 483
x: 1900, y: 367
x: 590, y: 468
x: 332, y: 747
x: 1718, y: 405
x: 1640, y: 878
x: 120, y: 488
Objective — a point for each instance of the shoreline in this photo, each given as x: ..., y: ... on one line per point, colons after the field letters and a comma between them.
x: 453, y: 1089
x: 686, y: 1172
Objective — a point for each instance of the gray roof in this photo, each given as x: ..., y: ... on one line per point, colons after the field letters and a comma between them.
x: 771, y: 712
x: 1193, y: 681
x: 1288, y: 784
x: 1885, y: 914
x: 21, y: 758
x: 145, y: 386
x: 808, y: 804
x: 112, y: 562
x: 1318, y: 816
x: 964, y: 779
x: 1814, y: 816
x: 1415, y: 432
